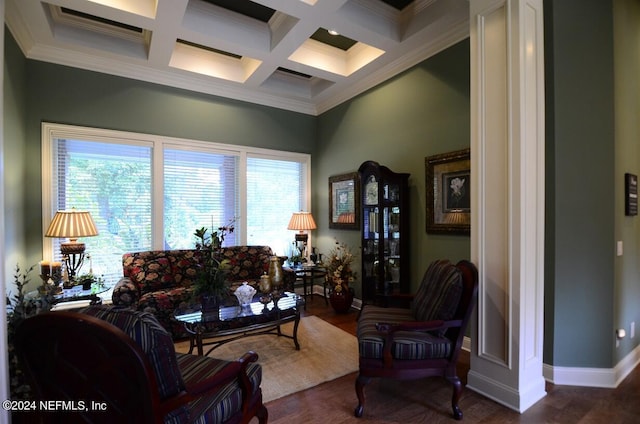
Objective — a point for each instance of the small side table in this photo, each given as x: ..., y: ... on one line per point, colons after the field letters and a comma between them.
x: 72, y: 295
x: 308, y: 274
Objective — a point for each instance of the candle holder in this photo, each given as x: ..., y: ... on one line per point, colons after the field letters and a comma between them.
x: 265, y: 299
x: 56, y: 277
x: 45, y: 287
x: 276, y: 295
x: 45, y: 274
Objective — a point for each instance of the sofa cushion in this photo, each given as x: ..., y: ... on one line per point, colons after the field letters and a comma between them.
x: 154, y: 340
x: 158, y: 269
x: 439, y: 293
x: 246, y: 262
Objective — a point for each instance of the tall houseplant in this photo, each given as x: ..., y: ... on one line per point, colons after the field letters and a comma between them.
x: 210, y: 285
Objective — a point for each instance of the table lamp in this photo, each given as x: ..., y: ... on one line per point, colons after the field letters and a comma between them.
x: 302, y: 221
x: 72, y: 224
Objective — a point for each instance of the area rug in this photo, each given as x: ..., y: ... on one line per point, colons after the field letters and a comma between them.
x: 326, y: 353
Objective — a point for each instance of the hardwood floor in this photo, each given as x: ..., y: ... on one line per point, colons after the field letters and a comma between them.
x: 428, y: 400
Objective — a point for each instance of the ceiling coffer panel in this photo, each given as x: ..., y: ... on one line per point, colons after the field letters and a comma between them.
x: 302, y: 55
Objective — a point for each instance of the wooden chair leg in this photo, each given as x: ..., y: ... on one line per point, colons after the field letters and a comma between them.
x: 262, y: 415
x: 360, y: 383
x: 455, y: 398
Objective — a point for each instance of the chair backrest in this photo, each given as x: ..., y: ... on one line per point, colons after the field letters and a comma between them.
x: 447, y: 292
x: 76, y: 357
x: 467, y: 302
x: 152, y: 337
x: 439, y: 293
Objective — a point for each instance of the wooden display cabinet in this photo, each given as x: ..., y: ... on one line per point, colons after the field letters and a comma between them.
x: 385, y: 232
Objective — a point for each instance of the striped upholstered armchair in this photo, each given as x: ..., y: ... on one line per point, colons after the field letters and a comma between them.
x: 124, y: 362
x: 423, y: 340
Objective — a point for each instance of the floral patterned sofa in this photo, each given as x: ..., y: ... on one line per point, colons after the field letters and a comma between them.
x: 160, y: 281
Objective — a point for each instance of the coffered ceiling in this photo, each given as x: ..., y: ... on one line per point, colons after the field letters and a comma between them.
x: 272, y: 52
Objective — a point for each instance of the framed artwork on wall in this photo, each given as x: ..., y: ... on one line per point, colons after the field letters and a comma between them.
x: 448, y: 184
x: 344, y: 201
x: 630, y: 194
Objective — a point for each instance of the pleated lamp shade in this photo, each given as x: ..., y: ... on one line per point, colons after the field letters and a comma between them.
x: 72, y: 224
x: 302, y: 221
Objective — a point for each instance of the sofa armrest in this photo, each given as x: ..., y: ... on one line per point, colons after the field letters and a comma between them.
x: 125, y: 293
x: 390, y: 328
x: 230, y: 372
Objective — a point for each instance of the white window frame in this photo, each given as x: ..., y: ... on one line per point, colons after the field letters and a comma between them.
x: 157, y: 143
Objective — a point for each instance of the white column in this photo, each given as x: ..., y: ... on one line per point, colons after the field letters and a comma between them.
x: 507, y: 229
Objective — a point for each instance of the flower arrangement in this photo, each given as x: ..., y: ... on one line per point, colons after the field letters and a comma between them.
x: 338, y: 265
x: 211, y: 280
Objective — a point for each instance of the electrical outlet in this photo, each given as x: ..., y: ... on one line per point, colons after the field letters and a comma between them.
x: 632, y: 329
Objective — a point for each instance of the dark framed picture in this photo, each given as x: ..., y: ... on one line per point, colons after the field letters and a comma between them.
x: 448, y: 184
x: 630, y: 194
x: 344, y: 201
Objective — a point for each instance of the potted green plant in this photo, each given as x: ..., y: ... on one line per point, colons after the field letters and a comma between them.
x: 87, y: 280
x: 210, y: 285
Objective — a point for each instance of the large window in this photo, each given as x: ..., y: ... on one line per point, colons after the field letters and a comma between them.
x: 274, y: 190
x: 200, y: 190
x: 150, y: 192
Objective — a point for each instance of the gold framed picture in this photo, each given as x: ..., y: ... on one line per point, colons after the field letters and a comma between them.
x: 344, y: 201
x: 448, y: 184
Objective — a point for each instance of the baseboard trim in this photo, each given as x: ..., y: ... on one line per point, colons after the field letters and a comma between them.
x: 593, y: 377
x: 502, y: 393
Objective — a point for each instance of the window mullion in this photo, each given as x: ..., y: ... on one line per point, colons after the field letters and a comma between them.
x: 242, y: 186
x: 157, y: 197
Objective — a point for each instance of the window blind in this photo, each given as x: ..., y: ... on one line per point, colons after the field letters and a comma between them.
x: 275, y: 189
x: 113, y: 182
x: 200, y: 190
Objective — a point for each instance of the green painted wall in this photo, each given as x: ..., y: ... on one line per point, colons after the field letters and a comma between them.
x: 13, y: 156
x: 580, y: 195
x: 626, y: 296
x: 72, y: 96
x: 422, y: 112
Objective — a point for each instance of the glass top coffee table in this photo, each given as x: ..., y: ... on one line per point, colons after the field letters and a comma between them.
x: 75, y: 293
x: 235, y: 322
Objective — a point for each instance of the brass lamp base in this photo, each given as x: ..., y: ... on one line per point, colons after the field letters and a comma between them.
x: 73, y: 256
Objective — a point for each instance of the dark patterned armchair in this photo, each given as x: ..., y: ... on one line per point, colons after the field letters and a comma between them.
x: 160, y: 281
x: 421, y: 341
x: 125, y: 362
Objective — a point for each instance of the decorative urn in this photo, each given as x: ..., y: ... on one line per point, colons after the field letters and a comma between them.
x: 245, y: 294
